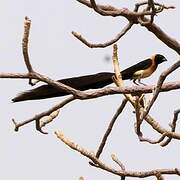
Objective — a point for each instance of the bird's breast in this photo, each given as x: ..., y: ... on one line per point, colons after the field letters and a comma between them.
x: 144, y: 73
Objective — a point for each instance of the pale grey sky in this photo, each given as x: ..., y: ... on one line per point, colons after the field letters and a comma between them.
x: 27, y: 154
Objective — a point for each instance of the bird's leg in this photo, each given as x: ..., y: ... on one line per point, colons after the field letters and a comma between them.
x: 134, y: 81
x: 139, y: 81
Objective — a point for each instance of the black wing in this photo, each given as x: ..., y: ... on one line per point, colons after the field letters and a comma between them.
x: 128, y: 73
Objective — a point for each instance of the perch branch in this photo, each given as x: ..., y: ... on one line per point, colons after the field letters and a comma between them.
x: 95, y: 93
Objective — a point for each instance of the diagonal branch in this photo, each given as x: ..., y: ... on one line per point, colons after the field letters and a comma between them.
x: 164, y: 37
x: 109, y: 129
x: 42, y: 114
x: 173, y: 127
x: 159, y: 85
x: 99, y: 164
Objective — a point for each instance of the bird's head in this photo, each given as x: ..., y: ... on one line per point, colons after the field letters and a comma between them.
x: 158, y: 58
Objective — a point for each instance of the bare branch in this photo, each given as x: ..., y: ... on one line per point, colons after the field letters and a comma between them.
x: 159, y: 176
x: 25, y: 40
x: 138, y: 114
x: 109, y: 129
x: 108, y: 43
x: 42, y: 114
x: 159, y: 85
x: 101, y: 165
x: 95, y: 93
x: 112, y: 11
x: 155, y: 125
x: 142, y: 139
x: 117, y: 161
x: 120, y: 164
x: 173, y: 127
x: 137, y: 5
x: 160, y: 34
x: 135, y: 17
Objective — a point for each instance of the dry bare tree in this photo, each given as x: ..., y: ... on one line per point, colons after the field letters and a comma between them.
x: 143, y: 14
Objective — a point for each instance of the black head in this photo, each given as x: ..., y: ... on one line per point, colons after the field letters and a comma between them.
x: 159, y: 58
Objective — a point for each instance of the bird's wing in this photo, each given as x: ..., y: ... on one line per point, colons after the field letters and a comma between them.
x: 129, y: 72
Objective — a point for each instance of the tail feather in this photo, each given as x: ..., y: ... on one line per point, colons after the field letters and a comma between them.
x: 41, y: 92
x: 94, y: 81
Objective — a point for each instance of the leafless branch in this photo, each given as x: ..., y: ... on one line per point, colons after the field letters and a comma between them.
x: 173, y: 127
x: 99, y: 164
x: 95, y: 93
x: 159, y: 176
x: 42, y: 114
x: 25, y: 40
x: 134, y: 17
x: 109, y: 129
x: 142, y: 139
x: 138, y: 114
x: 119, y: 163
x: 159, y: 85
x: 108, y: 43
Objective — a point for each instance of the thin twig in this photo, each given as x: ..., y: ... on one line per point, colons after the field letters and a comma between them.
x: 42, y: 114
x: 117, y: 161
x: 173, y: 127
x: 142, y: 139
x: 109, y: 129
x: 120, y: 164
x: 105, y: 44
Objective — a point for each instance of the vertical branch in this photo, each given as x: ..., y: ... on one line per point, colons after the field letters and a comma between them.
x: 25, y: 40
x: 118, y: 77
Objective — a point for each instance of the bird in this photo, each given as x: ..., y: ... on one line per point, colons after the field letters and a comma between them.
x: 138, y: 71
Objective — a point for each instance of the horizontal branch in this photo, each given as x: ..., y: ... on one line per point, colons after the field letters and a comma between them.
x: 95, y: 93
x: 112, y: 11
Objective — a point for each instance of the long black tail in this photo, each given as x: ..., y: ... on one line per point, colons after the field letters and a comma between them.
x: 93, y: 81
